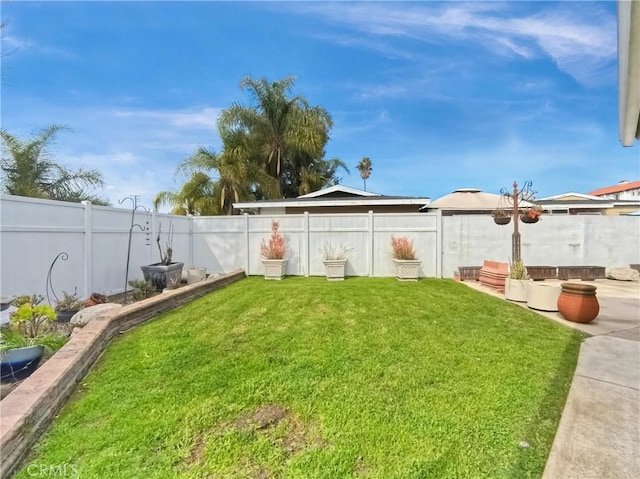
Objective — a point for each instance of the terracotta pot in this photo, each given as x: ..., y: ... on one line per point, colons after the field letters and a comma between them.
x: 94, y: 299
x: 578, y: 303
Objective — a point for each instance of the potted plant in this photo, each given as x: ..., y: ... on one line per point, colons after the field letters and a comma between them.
x: 334, y: 259
x: 516, y: 283
x: 531, y: 215
x: 23, y: 343
x: 273, y: 252
x: 501, y: 217
x: 166, y: 272
x: 407, y: 266
x: 66, y: 307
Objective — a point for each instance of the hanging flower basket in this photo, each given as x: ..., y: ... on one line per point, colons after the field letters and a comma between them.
x: 526, y: 218
x: 531, y: 215
x: 502, y: 220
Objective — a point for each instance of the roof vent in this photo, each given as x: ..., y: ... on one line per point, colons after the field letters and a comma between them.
x: 467, y: 190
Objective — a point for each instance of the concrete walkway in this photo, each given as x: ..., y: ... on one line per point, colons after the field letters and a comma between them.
x: 599, y: 433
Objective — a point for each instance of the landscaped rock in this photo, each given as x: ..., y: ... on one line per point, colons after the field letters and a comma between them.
x: 623, y: 274
x: 85, y: 315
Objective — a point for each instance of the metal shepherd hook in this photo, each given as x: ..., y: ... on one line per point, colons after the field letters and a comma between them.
x: 134, y: 201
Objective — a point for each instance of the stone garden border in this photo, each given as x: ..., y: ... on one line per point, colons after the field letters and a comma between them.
x: 28, y: 410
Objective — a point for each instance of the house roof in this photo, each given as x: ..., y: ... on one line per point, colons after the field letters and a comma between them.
x: 468, y: 199
x: 588, y: 203
x: 339, y: 191
x: 622, y: 186
x: 567, y: 196
x: 550, y: 204
x: 337, y: 195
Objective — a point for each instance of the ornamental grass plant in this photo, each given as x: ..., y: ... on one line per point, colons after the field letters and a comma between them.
x: 275, y: 248
x: 402, y: 248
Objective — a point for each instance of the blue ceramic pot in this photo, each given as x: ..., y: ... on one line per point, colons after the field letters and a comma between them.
x: 19, y: 363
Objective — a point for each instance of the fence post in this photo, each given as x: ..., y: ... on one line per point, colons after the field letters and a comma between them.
x: 307, y: 262
x: 191, y: 263
x: 246, y: 243
x: 370, y: 259
x: 87, y: 259
x: 439, y: 252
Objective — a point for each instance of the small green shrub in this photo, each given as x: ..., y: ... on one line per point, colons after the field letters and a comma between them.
x: 30, y: 326
x: 517, y: 270
x: 141, y: 288
x: 69, y: 302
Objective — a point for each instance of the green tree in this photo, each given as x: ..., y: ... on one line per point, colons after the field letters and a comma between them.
x: 215, y: 182
x: 283, y: 135
x: 29, y: 170
x: 364, y: 166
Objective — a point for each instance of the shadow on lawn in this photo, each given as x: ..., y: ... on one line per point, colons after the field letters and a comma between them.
x: 545, y: 423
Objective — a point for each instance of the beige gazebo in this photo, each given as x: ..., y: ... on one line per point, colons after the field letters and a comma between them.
x: 469, y: 201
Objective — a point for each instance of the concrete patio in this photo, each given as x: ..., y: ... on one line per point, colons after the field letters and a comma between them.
x: 599, y: 433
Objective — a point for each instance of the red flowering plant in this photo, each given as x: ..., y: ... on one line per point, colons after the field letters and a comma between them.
x: 275, y: 248
x: 402, y: 248
x: 534, y: 212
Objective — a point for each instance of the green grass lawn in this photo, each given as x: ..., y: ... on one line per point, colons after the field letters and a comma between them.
x: 304, y: 378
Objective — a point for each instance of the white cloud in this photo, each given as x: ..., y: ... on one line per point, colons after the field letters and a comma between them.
x: 580, y: 38
x: 195, y: 117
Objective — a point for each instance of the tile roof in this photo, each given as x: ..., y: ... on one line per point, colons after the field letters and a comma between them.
x: 623, y: 186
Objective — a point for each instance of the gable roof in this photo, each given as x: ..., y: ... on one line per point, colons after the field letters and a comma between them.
x: 337, y: 195
x: 338, y: 191
x: 570, y: 196
x: 622, y: 186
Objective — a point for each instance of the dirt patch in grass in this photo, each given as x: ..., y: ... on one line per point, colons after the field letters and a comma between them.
x: 360, y: 468
x: 295, y: 435
x: 264, y: 417
x: 196, y: 452
x: 282, y: 427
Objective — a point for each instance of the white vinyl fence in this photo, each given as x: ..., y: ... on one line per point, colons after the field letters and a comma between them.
x: 33, y: 232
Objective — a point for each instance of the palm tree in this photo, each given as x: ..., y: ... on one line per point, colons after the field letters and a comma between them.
x: 364, y: 165
x: 195, y: 197
x: 280, y: 133
x: 29, y: 169
x: 203, y: 194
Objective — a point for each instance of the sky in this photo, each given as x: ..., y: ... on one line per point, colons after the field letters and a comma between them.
x: 440, y: 95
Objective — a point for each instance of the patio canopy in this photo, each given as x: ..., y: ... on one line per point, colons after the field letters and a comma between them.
x: 469, y: 199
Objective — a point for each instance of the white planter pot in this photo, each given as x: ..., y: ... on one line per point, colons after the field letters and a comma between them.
x: 335, y: 269
x: 407, y: 269
x: 516, y: 289
x: 543, y: 297
x: 195, y: 275
x: 274, y: 268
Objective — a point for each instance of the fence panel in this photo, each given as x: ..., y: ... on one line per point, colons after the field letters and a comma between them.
x: 420, y: 228
x: 219, y: 243
x: 348, y: 230
x: 33, y: 232
x: 555, y: 240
